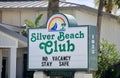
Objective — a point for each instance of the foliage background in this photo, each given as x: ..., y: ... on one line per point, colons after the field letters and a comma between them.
x: 108, y: 61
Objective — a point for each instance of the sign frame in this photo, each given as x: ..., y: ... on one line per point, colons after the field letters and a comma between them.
x: 90, y: 52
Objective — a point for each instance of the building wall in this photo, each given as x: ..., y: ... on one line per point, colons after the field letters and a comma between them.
x: 17, y: 17
x: 27, y: 14
x: 11, y: 17
x: 110, y: 26
x: 4, y: 55
x: 110, y: 31
x: 85, y: 17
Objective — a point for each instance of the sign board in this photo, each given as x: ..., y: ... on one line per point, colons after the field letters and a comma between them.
x: 62, y: 45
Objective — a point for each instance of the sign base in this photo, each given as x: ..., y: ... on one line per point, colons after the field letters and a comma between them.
x: 40, y: 74
x: 63, y: 73
x: 82, y: 75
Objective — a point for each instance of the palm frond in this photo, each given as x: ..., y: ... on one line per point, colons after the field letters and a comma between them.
x: 29, y: 23
x: 115, y: 9
x: 96, y: 3
x: 110, y: 6
x: 38, y: 20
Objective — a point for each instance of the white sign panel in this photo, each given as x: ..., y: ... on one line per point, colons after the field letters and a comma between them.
x: 58, y: 46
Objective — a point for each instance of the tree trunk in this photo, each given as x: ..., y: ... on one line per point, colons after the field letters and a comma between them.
x: 53, y: 7
x: 99, y: 20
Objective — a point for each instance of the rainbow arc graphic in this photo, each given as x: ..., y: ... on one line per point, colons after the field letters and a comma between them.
x: 56, y: 24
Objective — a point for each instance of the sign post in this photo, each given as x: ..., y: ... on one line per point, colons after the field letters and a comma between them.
x: 63, y: 45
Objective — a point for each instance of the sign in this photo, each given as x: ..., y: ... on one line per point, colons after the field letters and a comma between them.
x: 62, y: 45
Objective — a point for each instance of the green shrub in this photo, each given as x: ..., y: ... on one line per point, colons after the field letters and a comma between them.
x: 108, y: 56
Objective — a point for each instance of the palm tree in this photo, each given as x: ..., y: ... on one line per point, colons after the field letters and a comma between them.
x: 109, y: 5
x: 53, y: 7
x: 34, y: 24
x: 99, y: 20
x: 117, y: 2
x: 31, y: 24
